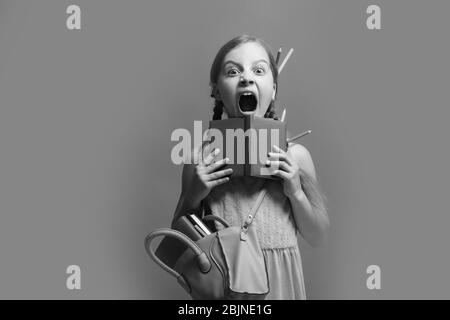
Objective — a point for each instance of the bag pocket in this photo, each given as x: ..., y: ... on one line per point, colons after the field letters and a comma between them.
x: 246, y: 267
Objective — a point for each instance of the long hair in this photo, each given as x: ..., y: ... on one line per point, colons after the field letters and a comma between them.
x: 217, y: 65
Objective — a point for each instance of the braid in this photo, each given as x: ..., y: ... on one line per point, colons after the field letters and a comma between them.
x: 270, y: 113
x: 218, y: 110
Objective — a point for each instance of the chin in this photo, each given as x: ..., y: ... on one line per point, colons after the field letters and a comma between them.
x: 248, y: 113
x: 256, y: 113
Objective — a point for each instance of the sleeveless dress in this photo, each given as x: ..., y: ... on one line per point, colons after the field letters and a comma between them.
x: 274, y: 225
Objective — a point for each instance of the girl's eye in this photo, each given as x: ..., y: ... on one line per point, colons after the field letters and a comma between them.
x: 259, y: 71
x: 232, y: 72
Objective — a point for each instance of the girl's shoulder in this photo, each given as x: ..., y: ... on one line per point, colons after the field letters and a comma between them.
x: 302, y: 157
x: 297, y: 149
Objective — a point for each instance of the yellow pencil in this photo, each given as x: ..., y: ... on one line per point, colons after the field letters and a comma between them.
x: 283, y: 115
x: 285, y: 60
x: 278, y: 55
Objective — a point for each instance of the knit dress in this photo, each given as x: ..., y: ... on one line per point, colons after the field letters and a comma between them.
x: 275, y: 227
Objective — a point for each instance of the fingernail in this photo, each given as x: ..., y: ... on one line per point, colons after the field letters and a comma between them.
x: 268, y: 163
x: 216, y: 151
x: 226, y: 160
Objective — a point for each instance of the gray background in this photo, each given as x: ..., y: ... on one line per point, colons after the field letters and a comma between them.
x: 86, y: 118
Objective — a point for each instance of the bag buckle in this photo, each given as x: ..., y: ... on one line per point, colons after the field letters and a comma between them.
x: 244, y: 230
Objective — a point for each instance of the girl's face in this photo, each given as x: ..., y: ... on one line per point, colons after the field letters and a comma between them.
x: 245, y: 83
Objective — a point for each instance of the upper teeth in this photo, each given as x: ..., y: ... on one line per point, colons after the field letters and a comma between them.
x: 247, y: 93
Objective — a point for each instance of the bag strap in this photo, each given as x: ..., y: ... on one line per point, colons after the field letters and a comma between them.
x: 251, y: 215
x: 253, y: 211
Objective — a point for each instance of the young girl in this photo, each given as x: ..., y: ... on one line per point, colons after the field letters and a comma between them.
x: 292, y: 203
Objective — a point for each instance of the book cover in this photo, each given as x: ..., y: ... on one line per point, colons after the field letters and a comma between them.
x: 246, y: 142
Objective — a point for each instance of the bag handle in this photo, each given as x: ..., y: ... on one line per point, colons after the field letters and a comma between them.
x: 211, y: 217
x: 202, y: 259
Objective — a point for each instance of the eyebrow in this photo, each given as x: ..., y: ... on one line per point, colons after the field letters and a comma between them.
x: 231, y: 61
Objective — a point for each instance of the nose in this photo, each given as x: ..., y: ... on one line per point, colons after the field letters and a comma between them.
x: 246, y: 79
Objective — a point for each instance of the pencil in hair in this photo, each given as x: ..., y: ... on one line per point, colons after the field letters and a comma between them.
x: 298, y: 136
x: 278, y: 55
x: 285, y: 60
x: 283, y: 115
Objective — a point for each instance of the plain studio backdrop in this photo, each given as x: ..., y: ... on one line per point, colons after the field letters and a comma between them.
x: 86, y: 118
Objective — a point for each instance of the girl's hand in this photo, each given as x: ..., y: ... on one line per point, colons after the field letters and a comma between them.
x: 288, y: 171
x: 206, y: 176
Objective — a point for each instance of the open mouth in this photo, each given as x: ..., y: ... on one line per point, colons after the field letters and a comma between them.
x: 247, y: 102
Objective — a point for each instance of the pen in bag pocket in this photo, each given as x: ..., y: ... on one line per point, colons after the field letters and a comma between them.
x: 200, y: 231
x: 200, y: 224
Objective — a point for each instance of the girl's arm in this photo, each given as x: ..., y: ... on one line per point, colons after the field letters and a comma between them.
x: 184, y: 205
x: 296, y: 168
